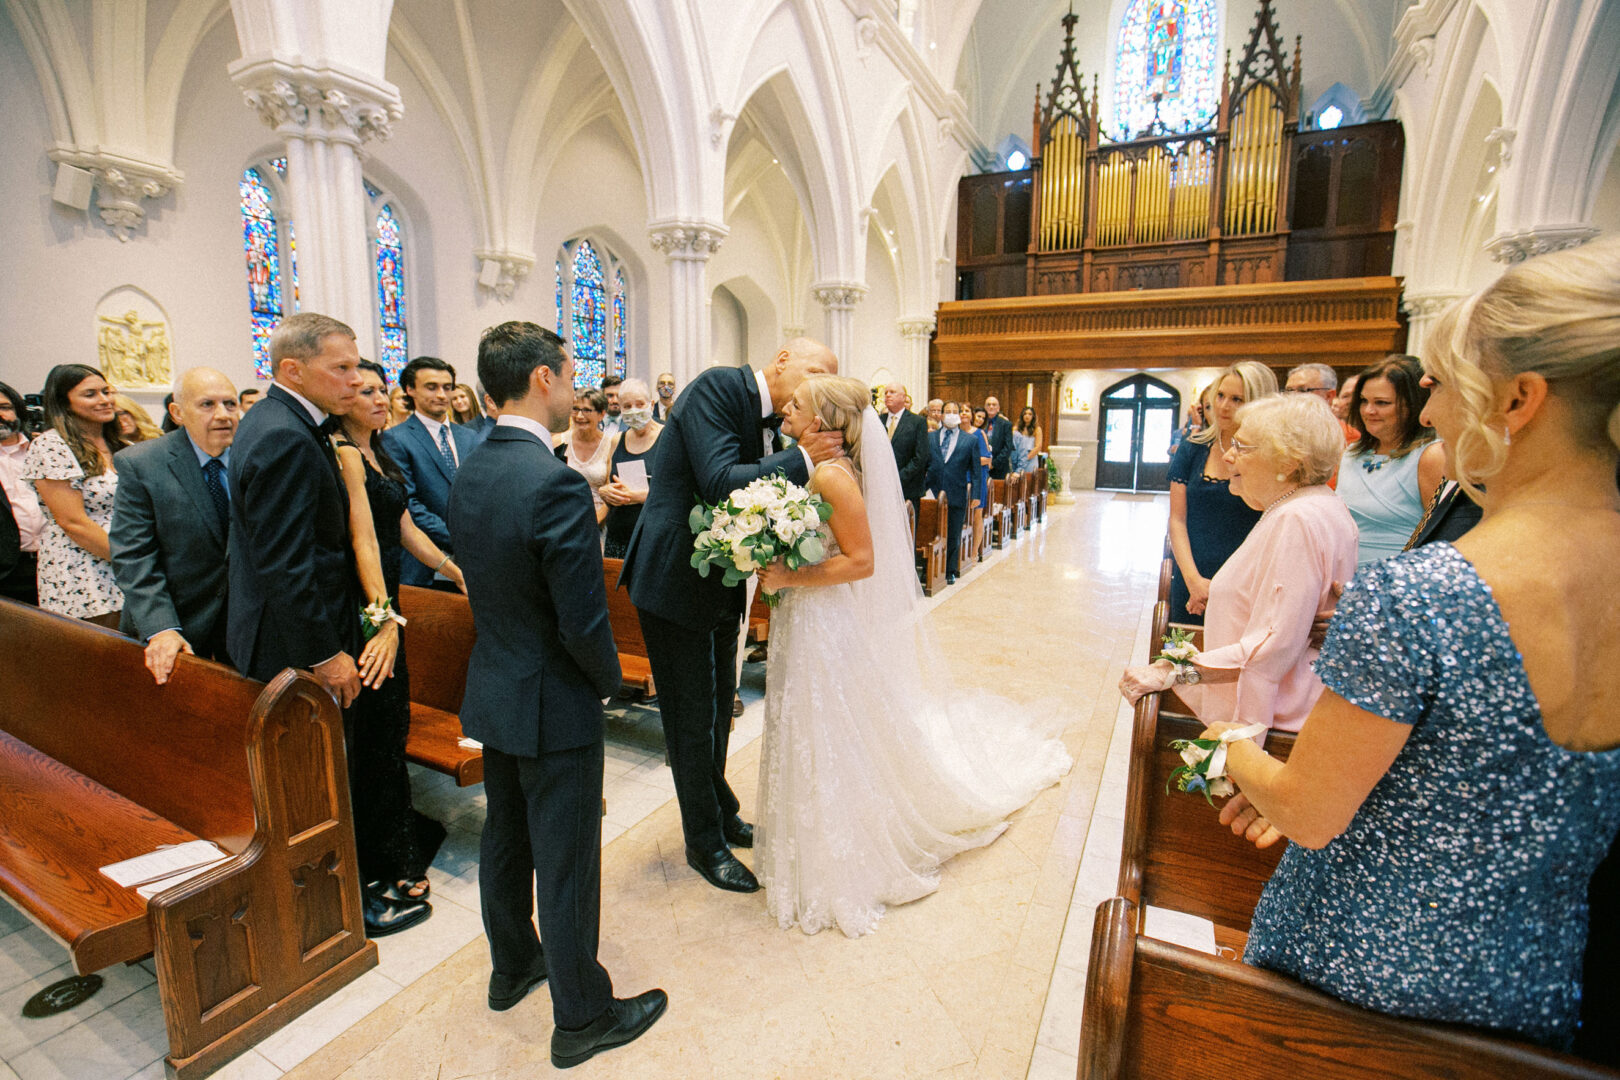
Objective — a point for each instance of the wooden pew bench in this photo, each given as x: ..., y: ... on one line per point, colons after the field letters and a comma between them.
x: 1041, y: 485
x: 439, y: 637
x: 931, y: 544
x: 98, y: 765
x: 1156, y: 1009
x: 1003, y: 524
x: 633, y: 662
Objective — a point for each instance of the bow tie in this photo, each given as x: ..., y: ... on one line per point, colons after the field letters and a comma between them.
x: 771, y: 423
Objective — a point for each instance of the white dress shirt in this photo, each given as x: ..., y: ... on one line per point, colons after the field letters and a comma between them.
x: 21, y: 494
x: 433, y: 427
x: 316, y: 413
x: 766, y: 408
x: 523, y: 423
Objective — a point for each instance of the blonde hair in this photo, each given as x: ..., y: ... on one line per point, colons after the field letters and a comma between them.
x: 840, y: 402
x: 1557, y: 316
x: 1298, y: 430
x: 144, y: 427
x: 1258, y: 381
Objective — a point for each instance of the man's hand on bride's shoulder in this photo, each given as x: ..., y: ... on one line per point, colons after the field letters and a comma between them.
x: 822, y: 445
x: 775, y: 577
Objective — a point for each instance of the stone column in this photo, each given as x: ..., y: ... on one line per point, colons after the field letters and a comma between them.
x: 687, y: 246
x: 917, y: 330
x: 838, y: 300
x: 1518, y: 246
x: 1422, y: 308
x: 325, y: 117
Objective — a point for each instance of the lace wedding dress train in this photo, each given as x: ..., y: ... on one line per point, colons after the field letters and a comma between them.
x: 875, y: 768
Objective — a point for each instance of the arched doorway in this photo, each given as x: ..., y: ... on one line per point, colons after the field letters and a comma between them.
x: 1138, y: 416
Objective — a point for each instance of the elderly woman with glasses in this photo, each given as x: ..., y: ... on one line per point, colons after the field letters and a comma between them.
x: 1256, y: 663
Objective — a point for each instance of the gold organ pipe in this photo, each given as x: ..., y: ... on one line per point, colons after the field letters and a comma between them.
x: 1069, y: 185
x: 1274, y: 156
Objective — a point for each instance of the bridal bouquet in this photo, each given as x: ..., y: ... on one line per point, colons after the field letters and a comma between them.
x: 772, y: 518
x: 1203, y: 771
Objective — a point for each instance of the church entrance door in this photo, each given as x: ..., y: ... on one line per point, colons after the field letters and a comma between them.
x: 1137, y: 418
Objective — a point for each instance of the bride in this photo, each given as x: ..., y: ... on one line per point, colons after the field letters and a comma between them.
x: 874, y: 770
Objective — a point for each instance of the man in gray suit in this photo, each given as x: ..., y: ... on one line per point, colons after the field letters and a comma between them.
x: 171, y: 524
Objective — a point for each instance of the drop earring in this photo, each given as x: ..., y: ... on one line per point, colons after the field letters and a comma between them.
x: 1282, y: 478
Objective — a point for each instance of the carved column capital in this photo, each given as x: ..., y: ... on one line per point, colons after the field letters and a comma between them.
x: 121, y: 184
x: 839, y: 295
x: 318, y: 104
x: 1426, y: 305
x: 691, y: 240
x: 916, y: 329
x: 1516, y: 247
x: 501, y: 271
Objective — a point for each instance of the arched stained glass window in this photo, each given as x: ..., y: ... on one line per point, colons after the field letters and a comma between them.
x: 262, y: 246
x: 391, y: 292
x: 593, y: 306
x: 590, y: 317
x: 620, y: 324
x: 1165, y: 66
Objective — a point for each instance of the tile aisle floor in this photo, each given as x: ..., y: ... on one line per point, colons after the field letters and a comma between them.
x: 984, y: 978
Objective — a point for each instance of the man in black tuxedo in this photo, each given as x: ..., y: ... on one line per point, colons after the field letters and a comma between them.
x: 718, y: 438
x: 294, y: 598
x: 171, y: 520
x: 908, y: 438
x: 999, y: 432
x: 1450, y: 514
x: 952, y: 459
x: 524, y: 526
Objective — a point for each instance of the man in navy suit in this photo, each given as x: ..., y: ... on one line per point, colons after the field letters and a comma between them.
x: 719, y: 437
x: 428, y: 449
x: 952, y: 459
x: 543, y: 660
x: 999, y: 432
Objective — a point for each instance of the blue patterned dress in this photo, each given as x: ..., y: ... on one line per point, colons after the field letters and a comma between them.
x: 1459, y: 891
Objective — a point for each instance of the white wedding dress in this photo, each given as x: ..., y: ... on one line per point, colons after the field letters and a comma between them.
x: 875, y: 767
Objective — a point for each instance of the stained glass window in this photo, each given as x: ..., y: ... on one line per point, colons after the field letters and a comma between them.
x: 590, y: 337
x: 1165, y: 66
x: 561, y: 330
x: 391, y: 292
x: 620, y: 327
x: 263, y: 252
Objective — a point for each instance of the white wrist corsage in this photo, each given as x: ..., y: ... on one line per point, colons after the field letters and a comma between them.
x: 1204, y: 771
x: 373, y: 617
x: 1179, y: 650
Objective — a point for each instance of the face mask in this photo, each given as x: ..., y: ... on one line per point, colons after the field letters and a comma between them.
x: 666, y: 391
x: 636, y: 419
x: 951, y: 420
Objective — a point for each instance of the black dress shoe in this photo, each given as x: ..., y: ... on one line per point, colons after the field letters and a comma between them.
x: 950, y: 579
x: 738, y: 832
x: 506, y: 991
x: 625, y: 1021
x: 723, y: 871
x: 384, y: 916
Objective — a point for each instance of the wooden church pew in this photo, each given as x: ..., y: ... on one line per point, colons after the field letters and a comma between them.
x: 931, y: 544
x: 98, y: 765
x: 439, y: 638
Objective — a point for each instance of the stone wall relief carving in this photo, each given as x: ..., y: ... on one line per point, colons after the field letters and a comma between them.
x: 134, y: 341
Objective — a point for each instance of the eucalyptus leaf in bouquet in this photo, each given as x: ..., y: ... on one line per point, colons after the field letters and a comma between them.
x: 771, y: 518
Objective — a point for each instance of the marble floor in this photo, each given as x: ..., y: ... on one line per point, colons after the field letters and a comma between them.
x: 984, y: 978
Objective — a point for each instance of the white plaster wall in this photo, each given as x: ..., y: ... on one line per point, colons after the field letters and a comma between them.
x: 878, y: 344
x: 728, y: 330
x: 56, y: 263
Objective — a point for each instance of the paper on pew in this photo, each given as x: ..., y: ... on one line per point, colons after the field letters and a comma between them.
x: 1179, y: 928
x: 469, y: 744
x: 163, y: 867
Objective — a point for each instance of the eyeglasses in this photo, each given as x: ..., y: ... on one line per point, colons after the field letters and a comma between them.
x: 583, y: 409
x: 1308, y: 389
x: 1241, y: 448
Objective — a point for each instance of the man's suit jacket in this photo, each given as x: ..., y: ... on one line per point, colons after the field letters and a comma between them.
x: 1455, y: 515
x: 427, y: 484
x: 952, y: 476
x: 10, y: 537
x: 909, y: 441
x: 524, y: 526
x: 711, y: 445
x: 481, y: 430
x: 294, y: 597
x: 1000, y: 436
x: 168, y: 546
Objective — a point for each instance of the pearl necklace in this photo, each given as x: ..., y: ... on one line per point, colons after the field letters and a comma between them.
x: 1290, y: 493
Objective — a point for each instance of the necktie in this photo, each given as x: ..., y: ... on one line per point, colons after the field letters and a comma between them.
x: 214, y: 476
x: 444, y: 449
x: 894, y: 424
x: 947, y: 443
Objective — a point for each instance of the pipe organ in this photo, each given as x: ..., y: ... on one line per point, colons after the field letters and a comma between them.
x: 1183, y: 208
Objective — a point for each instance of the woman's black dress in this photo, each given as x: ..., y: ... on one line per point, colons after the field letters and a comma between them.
x: 395, y: 842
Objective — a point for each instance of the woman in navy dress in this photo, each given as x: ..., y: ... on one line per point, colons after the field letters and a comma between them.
x: 1452, y: 792
x: 1207, y: 522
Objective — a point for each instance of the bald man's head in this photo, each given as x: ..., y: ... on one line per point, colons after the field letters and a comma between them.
x: 894, y: 397
x: 205, y: 405
x: 798, y: 359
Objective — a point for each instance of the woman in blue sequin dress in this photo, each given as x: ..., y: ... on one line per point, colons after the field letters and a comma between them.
x: 1453, y: 791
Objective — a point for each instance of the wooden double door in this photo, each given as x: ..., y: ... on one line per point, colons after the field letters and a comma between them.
x: 1135, y: 423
